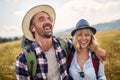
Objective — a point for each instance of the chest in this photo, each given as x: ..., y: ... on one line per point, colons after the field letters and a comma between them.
x: 88, y: 69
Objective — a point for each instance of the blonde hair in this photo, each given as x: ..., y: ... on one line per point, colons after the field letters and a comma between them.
x: 93, y: 45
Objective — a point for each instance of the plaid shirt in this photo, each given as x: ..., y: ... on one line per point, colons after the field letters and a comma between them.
x: 42, y: 66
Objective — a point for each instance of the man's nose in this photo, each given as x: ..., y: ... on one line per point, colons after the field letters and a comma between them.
x: 47, y: 20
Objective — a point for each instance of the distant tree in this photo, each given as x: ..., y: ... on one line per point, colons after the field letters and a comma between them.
x: 2, y: 40
x: 5, y: 39
x: 16, y: 38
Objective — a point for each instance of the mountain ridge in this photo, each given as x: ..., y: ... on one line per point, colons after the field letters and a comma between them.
x: 112, y: 25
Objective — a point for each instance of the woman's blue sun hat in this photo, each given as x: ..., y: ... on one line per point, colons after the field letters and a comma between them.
x: 83, y: 24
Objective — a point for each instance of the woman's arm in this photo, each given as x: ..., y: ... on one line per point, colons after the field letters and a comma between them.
x: 101, y: 73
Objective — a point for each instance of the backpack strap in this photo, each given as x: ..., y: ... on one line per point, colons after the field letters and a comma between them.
x: 96, y: 63
x: 69, y: 56
x: 31, y: 63
x: 64, y: 46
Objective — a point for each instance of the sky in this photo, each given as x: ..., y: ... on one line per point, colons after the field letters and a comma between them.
x: 68, y: 13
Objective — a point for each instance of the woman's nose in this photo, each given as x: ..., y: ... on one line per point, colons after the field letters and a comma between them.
x: 83, y: 36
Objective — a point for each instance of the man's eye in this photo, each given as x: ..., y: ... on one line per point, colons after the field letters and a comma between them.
x: 50, y: 19
x: 41, y: 19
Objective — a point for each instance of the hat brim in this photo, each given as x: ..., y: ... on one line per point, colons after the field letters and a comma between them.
x: 91, y: 28
x: 27, y: 18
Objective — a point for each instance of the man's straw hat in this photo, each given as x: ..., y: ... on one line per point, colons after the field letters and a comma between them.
x: 27, y: 18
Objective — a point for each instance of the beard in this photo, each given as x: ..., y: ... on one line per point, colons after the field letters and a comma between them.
x: 47, y: 35
x: 45, y: 31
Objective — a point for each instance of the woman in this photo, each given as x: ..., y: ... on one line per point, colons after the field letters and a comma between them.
x: 82, y: 65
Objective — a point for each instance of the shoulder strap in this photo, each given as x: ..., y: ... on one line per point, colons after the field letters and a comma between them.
x: 96, y: 63
x: 69, y: 57
x: 64, y: 45
x: 32, y: 63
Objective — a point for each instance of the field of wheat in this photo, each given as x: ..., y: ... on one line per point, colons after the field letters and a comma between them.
x: 109, y: 40
x: 8, y: 53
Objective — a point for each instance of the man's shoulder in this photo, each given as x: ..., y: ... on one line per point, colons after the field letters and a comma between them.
x: 21, y: 57
x: 59, y: 38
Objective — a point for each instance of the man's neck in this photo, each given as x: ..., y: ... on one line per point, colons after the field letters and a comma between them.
x: 44, y: 43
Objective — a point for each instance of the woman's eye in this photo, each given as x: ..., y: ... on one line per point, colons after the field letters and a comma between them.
x: 86, y: 34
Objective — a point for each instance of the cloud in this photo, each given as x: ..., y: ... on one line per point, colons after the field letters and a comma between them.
x: 10, y: 31
x: 67, y: 13
x: 95, y: 12
x: 13, y: 1
x: 19, y: 13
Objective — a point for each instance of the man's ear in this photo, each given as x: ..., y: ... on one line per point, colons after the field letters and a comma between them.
x: 32, y: 28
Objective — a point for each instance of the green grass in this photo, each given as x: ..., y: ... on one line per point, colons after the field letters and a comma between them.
x: 109, y: 40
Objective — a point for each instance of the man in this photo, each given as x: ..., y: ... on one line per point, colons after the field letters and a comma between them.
x: 37, y: 27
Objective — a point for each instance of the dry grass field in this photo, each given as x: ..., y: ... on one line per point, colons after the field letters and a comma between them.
x: 109, y: 40
x: 8, y: 53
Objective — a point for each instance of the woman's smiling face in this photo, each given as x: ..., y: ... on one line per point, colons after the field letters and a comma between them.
x: 84, y: 38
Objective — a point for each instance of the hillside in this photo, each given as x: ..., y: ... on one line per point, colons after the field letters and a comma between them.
x: 113, y: 25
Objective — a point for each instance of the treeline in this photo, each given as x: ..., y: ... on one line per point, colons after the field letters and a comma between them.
x: 2, y: 40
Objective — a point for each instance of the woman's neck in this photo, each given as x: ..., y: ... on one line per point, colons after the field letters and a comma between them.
x: 83, y: 51
x: 82, y: 57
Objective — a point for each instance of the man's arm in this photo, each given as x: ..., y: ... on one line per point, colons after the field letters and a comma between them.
x: 100, y: 53
x: 21, y: 68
